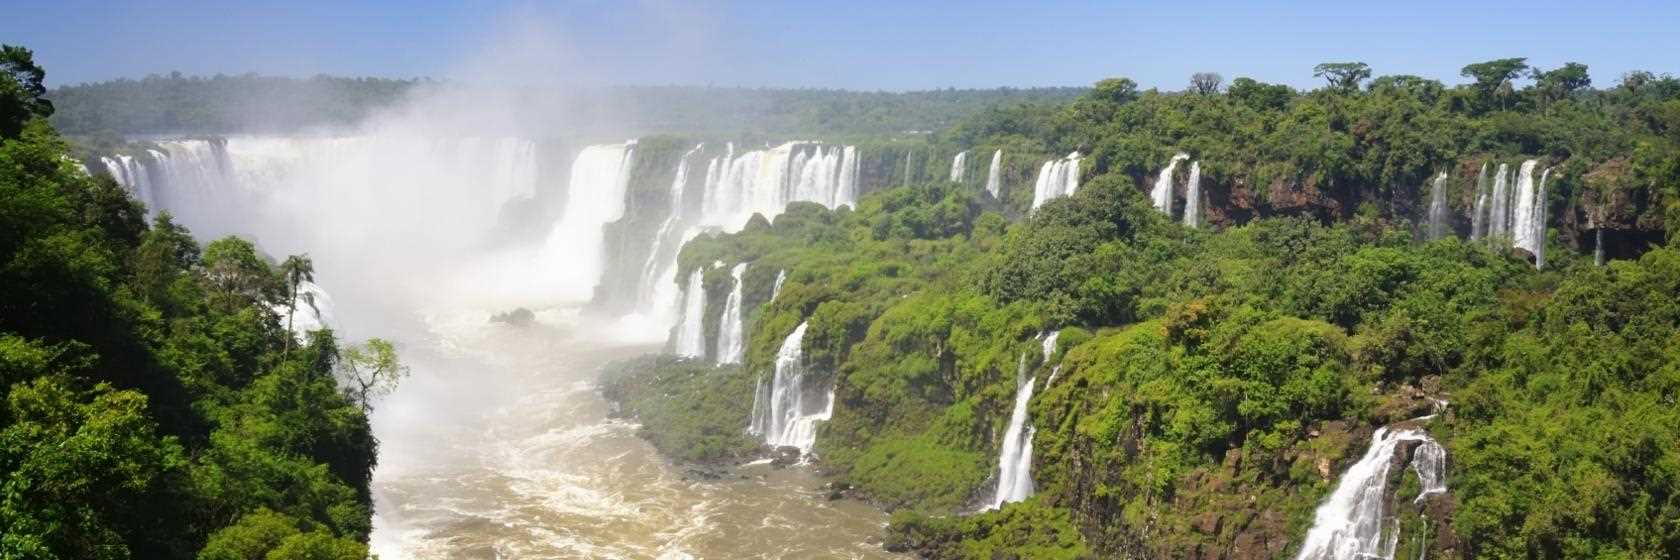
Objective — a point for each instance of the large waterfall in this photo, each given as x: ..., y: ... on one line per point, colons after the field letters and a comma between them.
x: 731, y: 341
x: 788, y: 411
x: 959, y: 166
x: 1162, y: 194
x: 765, y: 181
x: 1193, y: 196
x: 689, y: 338
x: 656, y: 287
x: 1515, y: 210
x: 1014, y: 475
x: 1056, y: 178
x: 1355, y: 522
x: 994, y: 174
x: 1438, y: 207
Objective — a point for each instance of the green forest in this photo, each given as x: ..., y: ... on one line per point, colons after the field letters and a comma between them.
x: 1210, y: 384
x: 153, y: 403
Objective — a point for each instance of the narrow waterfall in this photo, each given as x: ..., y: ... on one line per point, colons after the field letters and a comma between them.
x: 656, y: 287
x: 595, y: 197
x: 1598, y: 245
x: 776, y: 289
x: 1499, y: 214
x: 1193, y: 196
x: 1355, y: 521
x: 731, y: 343
x: 1538, y: 232
x: 314, y: 310
x: 1014, y: 475
x: 1162, y: 194
x: 1523, y: 212
x: 1478, y: 219
x: 793, y: 408
x: 959, y: 165
x: 994, y: 174
x: 1056, y: 178
x: 689, y: 338
x: 1438, y: 207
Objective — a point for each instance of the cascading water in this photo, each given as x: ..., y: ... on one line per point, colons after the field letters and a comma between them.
x: 131, y: 174
x: 776, y: 289
x: 313, y: 310
x: 1438, y: 207
x: 1355, y: 521
x: 959, y: 165
x: 1056, y: 178
x: 1162, y: 194
x: 1478, y: 220
x: 1193, y: 196
x: 1523, y: 231
x: 1499, y: 213
x: 731, y: 341
x: 1539, y: 223
x: 595, y: 198
x: 656, y: 287
x: 793, y: 408
x: 765, y: 181
x: 994, y: 174
x: 1014, y: 476
x: 689, y: 338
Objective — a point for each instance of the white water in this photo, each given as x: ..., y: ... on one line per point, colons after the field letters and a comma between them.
x: 795, y: 408
x: 1523, y: 213
x: 1438, y: 207
x: 314, y: 310
x: 1355, y: 521
x: 1193, y: 196
x: 1499, y: 213
x: 776, y: 289
x: 656, y: 286
x: 959, y: 166
x: 1162, y: 194
x: 1056, y: 178
x: 765, y: 181
x: 595, y: 198
x: 1014, y: 474
x: 689, y: 340
x: 731, y: 341
x: 994, y: 174
x: 1478, y: 220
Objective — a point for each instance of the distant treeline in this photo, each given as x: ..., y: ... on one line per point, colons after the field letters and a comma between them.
x: 177, y: 104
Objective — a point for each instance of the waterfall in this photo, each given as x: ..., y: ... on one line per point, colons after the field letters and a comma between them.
x: 1354, y: 522
x: 1193, y: 196
x: 994, y: 174
x: 731, y: 342
x: 314, y: 310
x: 959, y: 166
x: 1478, y: 219
x: 131, y: 174
x: 765, y: 181
x: 594, y: 198
x: 1598, y: 246
x: 1014, y: 477
x: 656, y: 287
x: 690, y: 335
x: 1162, y: 194
x: 793, y: 408
x: 1056, y: 178
x: 1538, y: 233
x: 1438, y: 207
x: 1523, y: 221
x: 776, y: 289
x: 1499, y: 214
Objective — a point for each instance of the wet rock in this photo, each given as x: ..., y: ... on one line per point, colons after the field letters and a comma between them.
x: 784, y: 456
x: 520, y: 317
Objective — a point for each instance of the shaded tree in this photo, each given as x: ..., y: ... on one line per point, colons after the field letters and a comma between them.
x: 1344, y: 76
x: 20, y: 90
x: 296, y: 270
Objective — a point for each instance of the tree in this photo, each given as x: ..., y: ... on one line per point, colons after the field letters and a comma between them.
x: 1259, y: 95
x: 1117, y: 90
x: 296, y: 270
x: 1343, y: 76
x: 1205, y: 83
x: 21, y: 89
x: 370, y: 371
x: 1493, y: 78
x: 234, y: 268
x: 1558, y: 84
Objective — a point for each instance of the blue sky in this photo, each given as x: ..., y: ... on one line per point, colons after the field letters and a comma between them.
x: 857, y: 44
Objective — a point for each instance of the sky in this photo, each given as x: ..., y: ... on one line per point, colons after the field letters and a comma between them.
x: 857, y: 44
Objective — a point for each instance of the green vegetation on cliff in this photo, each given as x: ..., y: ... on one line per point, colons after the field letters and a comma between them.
x: 151, y: 403
x: 1210, y: 385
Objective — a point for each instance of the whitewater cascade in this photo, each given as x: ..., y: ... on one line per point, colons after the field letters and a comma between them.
x: 1354, y: 522
x: 1478, y: 217
x: 595, y: 197
x: 776, y: 288
x: 959, y: 166
x: 1193, y: 196
x: 1523, y: 212
x: 656, y: 285
x: 765, y: 181
x: 131, y: 174
x: 1056, y: 178
x: 1162, y: 194
x: 689, y: 338
x: 994, y: 174
x: 791, y: 409
x: 1014, y: 475
x: 1438, y: 207
x: 1499, y: 207
x: 314, y: 310
x: 731, y: 343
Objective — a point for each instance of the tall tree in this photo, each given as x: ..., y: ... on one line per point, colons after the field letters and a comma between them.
x: 369, y: 371
x: 1494, y: 77
x: 1205, y: 82
x: 296, y: 270
x: 1343, y: 76
x: 20, y: 90
x: 1558, y: 84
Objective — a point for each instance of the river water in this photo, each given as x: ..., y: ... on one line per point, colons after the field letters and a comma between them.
x: 499, y: 446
